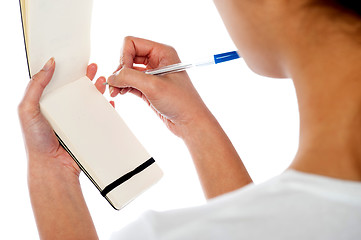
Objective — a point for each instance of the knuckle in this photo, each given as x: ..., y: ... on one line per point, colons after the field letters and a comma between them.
x: 171, y: 49
x: 121, y: 77
x: 38, y: 80
x: 23, y: 108
x: 154, y: 86
x: 128, y: 43
x: 128, y: 38
x: 170, y: 53
x: 28, y: 110
x: 35, y: 78
x: 151, y: 89
x: 127, y: 50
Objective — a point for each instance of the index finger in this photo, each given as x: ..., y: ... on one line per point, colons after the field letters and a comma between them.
x: 138, y: 50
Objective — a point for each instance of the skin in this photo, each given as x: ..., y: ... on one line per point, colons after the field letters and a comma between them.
x: 175, y: 100
x: 53, y: 177
x: 319, y: 51
x: 277, y: 38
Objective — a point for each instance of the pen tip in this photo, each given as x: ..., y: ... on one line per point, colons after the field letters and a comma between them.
x: 106, y: 83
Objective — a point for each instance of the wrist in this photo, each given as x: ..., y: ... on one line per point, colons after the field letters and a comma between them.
x: 217, y: 162
x: 57, y: 201
x: 199, y: 126
x: 44, y: 168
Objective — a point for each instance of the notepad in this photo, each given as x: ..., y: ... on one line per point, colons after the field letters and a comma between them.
x: 87, y: 126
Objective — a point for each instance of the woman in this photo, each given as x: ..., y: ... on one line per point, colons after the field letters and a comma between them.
x: 314, y: 42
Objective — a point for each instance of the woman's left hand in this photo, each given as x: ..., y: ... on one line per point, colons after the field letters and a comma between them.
x: 42, y: 146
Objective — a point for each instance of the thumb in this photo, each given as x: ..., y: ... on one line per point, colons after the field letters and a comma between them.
x: 128, y: 77
x: 38, y: 83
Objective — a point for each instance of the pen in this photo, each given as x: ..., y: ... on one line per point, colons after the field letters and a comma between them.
x: 218, y: 58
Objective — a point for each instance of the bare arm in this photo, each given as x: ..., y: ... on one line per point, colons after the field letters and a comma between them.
x: 53, y: 177
x: 58, y: 204
x: 218, y: 165
x: 175, y: 100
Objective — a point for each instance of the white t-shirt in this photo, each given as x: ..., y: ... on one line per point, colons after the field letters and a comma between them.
x: 293, y: 205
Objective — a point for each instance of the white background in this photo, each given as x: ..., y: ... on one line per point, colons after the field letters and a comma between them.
x: 259, y: 114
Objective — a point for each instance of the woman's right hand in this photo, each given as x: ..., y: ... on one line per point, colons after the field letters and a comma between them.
x: 172, y: 96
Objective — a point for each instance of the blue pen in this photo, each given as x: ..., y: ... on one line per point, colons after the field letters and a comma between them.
x: 218, y: 58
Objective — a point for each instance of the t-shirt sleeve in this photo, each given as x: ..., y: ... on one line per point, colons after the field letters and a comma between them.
x: 207, y: 221
x: 273, y: 210
x: 139, y: 229
x: 170, y: 225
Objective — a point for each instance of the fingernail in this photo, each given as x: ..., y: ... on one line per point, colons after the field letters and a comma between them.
x: 48, y: 65
x: 93, y: 65
x: 111, y: 90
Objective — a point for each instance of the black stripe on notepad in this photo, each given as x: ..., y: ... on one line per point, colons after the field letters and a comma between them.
x: 127, y: 176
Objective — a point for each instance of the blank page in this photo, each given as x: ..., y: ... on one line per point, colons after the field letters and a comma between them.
x: 59, y: 36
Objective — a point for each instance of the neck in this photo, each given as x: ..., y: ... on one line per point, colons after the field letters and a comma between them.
x: 327, y: 76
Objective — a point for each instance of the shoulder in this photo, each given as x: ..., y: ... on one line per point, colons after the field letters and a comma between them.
x: 286, y: 204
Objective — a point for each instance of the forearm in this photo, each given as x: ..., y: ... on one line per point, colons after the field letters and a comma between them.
x: 218, y: 165
x: 58, y: 204
x: 178, y: 104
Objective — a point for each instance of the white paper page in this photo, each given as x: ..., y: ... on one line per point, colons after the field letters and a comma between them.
x: 93, y: 131
x: 100, y: 140
x: 83, y: 119
x: 59, y: 29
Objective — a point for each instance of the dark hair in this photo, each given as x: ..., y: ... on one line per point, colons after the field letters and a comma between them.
x: 353, y: 6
